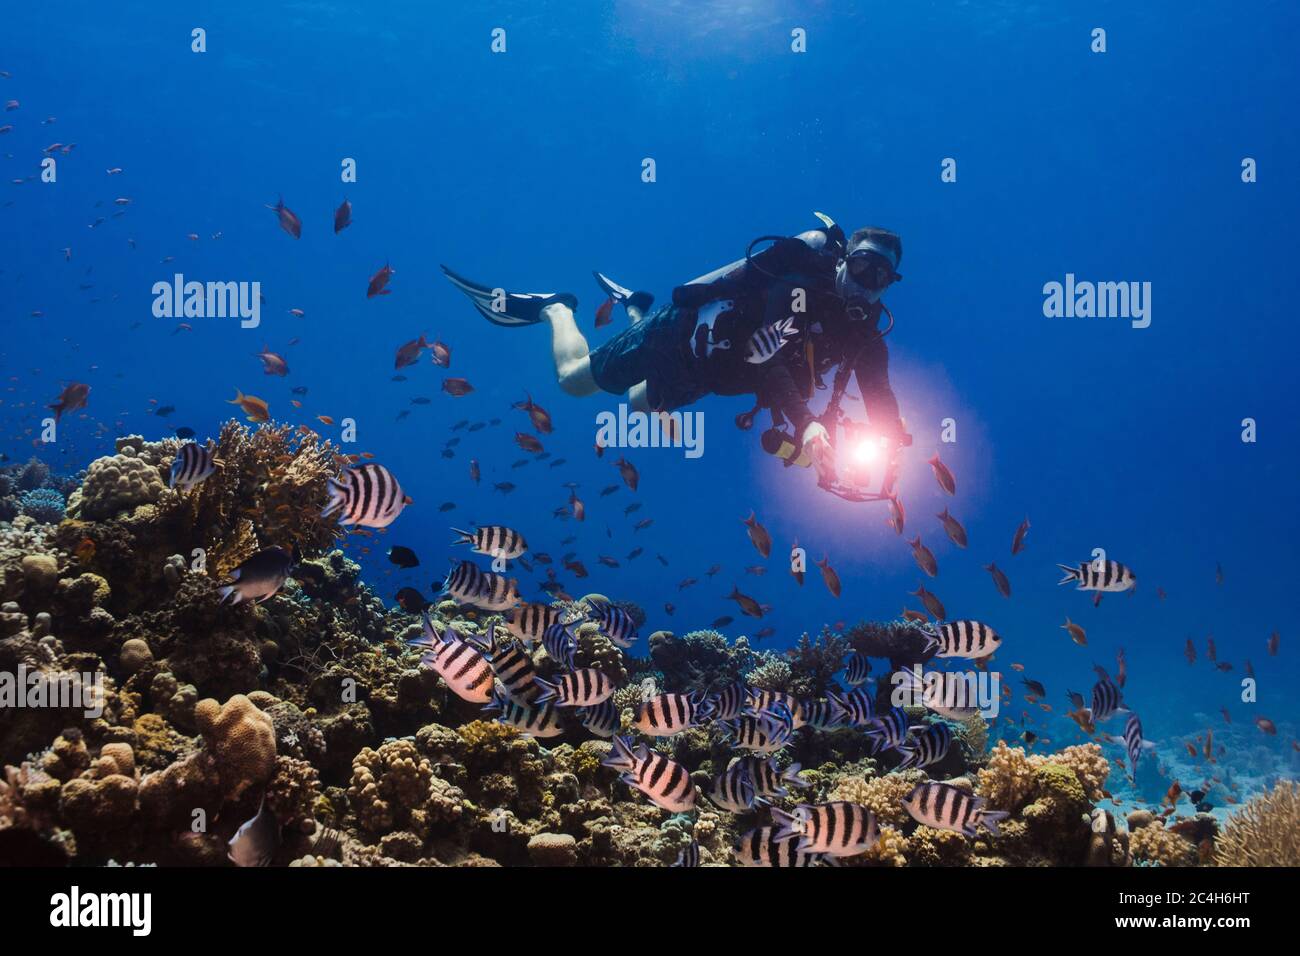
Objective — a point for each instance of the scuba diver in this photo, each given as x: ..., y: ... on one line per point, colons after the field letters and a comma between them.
x: 772, y: 324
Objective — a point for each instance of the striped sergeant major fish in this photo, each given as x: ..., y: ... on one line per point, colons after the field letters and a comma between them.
x: 855, y: 709
x: 457, y: 661
x: 926, y: 748
x: 1099, y: 576
x: 945, y: 807
x: 963, y: 639
x: 768, y: 779
x: 946, y: 693
x: 560, y: 644
x: 193, y: 463
x: 260, y: 577
x: 512, y: 666
x: 733, y: 790
x: 766, y: 700
x: 529, y: 622
x: 603, y: 720
x: 1107, y: 700
x: 690, y: 855
x: 367, y: 495
x: 581, y: 688
x: 731, y: 702
x: 821, y: 714
x: 764, y: 733
x: 888, y: 731
x: 615, y: 623
x: 540, y: 722
x: 494, y: 540
x: 857, y: 670
x: 769, y: 340
x: 759, y: 847
x: 1133, y: 743
x: 666, y: 782
x: 838, y: 828
x: 667, y: 714
x: 467, y: 584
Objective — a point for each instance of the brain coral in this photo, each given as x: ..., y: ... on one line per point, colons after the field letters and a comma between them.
x: 242, y: 741
x: 115, y: 484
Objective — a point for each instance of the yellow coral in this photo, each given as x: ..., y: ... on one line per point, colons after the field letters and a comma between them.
x: 889, y: 850
x: 883, y: 796
x: 1265, y: 832
x: 1008, y: 779
x: 1154, y: 844
x: 241, y: 739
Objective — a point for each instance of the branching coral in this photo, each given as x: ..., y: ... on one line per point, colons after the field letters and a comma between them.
x: 1265, y: 832
x: 269, y: 491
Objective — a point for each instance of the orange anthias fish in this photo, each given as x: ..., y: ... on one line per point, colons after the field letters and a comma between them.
x: 527, y: 442
x: 604, y: 314
x: 579, y: 509
x: 1189, y: 651
x: 272, y: 363
x: 829, y: 576
x: 539, y: 416
x: 1273, y: 641
x: 441, y: 354
x: 378, y: 281
x: 342, y: 216
x: 1077, y: 634
x: 1266, y: 725
x: 289, y: 220
x: 325, y: 419
x: 758, y: 535
x: 456, y: 387
x: 255, y: 408
x: 70, y: 399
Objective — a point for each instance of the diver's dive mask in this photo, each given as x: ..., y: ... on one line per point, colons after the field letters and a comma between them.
x: 863, y: 276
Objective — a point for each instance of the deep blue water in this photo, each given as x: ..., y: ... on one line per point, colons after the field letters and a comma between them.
x: 524, y: 169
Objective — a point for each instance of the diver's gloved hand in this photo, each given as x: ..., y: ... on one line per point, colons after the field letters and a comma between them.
x: 817, y: 446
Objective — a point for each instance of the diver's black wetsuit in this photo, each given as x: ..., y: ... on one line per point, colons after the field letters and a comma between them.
x: 658, y: 350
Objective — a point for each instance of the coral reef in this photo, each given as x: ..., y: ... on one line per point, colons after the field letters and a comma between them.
x: 190, y: 714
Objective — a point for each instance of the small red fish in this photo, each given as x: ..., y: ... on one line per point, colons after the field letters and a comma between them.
x: 758, y: 535
x: 1018, y: 542
x: 474, y: 470
x: 289, y: 220
x: 409, y: 353
x: 70, y: 399
x: 829, y: 576
x: 342, y: 217
x: 604, y: 313
x: 579, y: 509
x: 539, y: 416
x: 378, y: 281
x: 629, y: 472
x: 1266, y: 725
x: 457, y: 386
x: 441, y: 354
x: 527, y: 442
x: 943, y: 475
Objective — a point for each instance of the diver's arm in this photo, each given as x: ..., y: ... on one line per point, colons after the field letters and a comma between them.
x: 779, y: 391
x: 872, y: 371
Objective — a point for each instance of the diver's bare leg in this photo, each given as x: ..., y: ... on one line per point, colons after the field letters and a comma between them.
x: 570, y: 349
x: 636, y: 396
